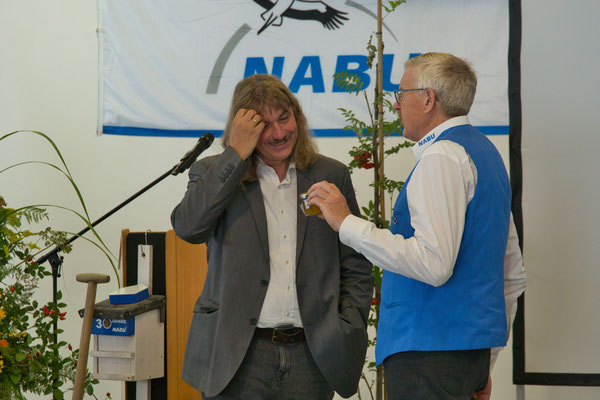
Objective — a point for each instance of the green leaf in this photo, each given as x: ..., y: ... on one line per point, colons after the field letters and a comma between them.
x: 90, y: 390
x: 20, y: 357
x: 348, y: 81
x: 15, y: 379
x: 58, y: 394
x: 391, y: 6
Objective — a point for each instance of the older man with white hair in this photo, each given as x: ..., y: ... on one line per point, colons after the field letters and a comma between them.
x: 452, y: 264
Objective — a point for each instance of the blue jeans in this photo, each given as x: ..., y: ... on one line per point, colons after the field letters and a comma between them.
x: 439, y: 375
x: 277, y: 372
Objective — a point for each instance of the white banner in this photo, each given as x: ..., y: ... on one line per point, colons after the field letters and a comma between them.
x: 169, y: 67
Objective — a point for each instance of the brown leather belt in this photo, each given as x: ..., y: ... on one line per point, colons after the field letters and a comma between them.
x: 281, y: 335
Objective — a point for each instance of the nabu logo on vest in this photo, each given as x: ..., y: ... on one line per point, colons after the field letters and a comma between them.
x: 426, y: 139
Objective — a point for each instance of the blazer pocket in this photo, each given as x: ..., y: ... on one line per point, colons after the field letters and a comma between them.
x: 350, y: 315
x: 205, y: 305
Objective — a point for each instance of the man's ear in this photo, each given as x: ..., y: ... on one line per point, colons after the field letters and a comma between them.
x: 429, y: 100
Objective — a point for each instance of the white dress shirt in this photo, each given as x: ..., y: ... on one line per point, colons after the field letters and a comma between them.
x: 280, y: 307
x: 442, y: 185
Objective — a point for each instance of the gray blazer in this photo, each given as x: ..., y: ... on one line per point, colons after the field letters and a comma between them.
x: 334, y: 283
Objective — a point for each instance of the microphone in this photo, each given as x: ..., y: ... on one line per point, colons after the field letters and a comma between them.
x: 186, y: 161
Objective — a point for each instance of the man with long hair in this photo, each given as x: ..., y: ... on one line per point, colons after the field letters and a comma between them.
x: 452, y: 265
x: 284, y: 309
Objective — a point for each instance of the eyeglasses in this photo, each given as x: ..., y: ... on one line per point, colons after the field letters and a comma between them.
x: 400, y: 93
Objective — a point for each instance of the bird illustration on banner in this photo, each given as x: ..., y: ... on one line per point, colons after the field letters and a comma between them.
x: 275, y: 11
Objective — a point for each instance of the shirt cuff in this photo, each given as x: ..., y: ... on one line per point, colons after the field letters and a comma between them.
x: 351, y: 229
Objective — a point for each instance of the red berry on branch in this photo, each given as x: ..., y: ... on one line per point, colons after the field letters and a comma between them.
x: 367, y: 165
x: 363, y: 156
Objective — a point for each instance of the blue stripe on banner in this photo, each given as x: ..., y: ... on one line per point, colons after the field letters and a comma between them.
x: 133, y: 131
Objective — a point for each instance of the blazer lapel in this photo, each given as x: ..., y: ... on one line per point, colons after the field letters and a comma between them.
x: 304, y: 183
x: 257, y: 207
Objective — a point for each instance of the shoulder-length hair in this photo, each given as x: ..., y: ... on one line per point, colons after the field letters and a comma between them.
x: 259, y: 91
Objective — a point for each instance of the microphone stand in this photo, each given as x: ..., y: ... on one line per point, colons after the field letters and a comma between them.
x: 56, y: 260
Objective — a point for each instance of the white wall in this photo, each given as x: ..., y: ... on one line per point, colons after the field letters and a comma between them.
x: 48, y: 82
x: 560, y: 58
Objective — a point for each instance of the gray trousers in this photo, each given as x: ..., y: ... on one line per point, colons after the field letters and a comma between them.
x: 439, y: 375
x: 277, y: 372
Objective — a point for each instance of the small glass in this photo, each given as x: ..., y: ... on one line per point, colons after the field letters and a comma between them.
x: 307, y: 209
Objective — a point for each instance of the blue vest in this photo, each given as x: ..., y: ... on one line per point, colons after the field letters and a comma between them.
x: 468, y: 311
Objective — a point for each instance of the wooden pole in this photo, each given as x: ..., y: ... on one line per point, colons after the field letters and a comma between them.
x: 86, y: 330
x: 380, y: 106
x: 380, y: 150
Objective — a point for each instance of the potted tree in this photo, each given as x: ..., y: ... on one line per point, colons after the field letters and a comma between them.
x: 370, y: 153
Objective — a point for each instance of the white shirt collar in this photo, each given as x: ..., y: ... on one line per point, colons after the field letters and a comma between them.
x: 427, y: 140
x: 265, y: 170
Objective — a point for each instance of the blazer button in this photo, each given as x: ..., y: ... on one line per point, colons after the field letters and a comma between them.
x: 394, y: 220
x: 264, y: 282
x: 253, y: 321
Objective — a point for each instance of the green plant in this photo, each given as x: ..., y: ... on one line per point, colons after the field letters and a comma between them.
x: 370, y: 153
x: 30, y: 359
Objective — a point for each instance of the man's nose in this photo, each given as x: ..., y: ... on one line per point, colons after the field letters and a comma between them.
x: 277, y: 132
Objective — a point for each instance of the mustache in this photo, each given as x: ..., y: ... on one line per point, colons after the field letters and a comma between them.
x: 280, y: 141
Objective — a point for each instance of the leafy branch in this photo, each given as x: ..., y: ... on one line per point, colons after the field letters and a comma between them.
x: 391, y: 6
x: 31, y: 361
x: 67, y: 173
